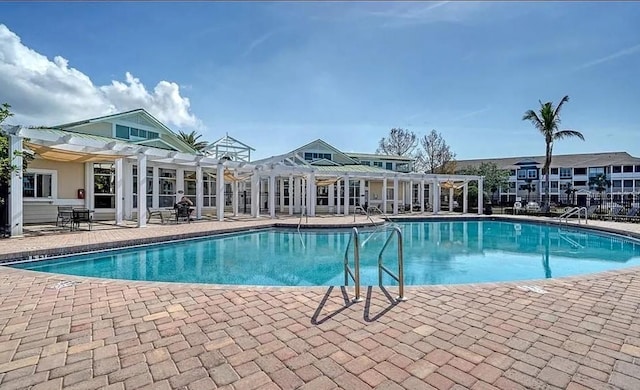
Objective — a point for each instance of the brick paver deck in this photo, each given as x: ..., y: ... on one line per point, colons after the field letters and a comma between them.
x: 574, y: 333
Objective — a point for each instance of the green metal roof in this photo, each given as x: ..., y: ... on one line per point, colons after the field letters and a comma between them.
x: 378, y: 156
x: 351, y: 169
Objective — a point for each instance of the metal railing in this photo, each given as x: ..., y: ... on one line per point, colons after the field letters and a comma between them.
x: 574, y: 211
x: 400, y: 276
x: 355, y: 274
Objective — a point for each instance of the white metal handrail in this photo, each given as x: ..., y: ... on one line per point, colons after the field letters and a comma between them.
x: 400, y: 276
x: 574, y: 211
x: 355, y: 274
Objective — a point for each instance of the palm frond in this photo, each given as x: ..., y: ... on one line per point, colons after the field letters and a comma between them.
x: 568, y: 134
x: 533, y: 117
x: 556, y: 112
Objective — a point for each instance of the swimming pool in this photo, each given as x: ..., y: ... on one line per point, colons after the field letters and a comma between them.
x: 442, y: 252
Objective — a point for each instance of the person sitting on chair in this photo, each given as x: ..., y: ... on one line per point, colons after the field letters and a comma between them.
x: 185, y: 203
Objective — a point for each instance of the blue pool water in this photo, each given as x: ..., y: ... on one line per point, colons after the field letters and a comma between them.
x: 447, y: 252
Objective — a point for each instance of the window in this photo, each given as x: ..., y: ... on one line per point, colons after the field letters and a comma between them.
x: 402, y: 167
x: 379, y: 164
x: 368, y: 163
x: 554, y: 171
x: 596, y: 171
x: 149, y: 186
x: 628, y: 184
x: 579, y: 183
x: 532, y: 174
x: 390, y: 194
x: 167, y: 195
x: 512, y: 185
x: 104, y: 185
x: 579, y: 171
x: 322, y: 195
x: 512, y: 172
x: 565, y: 173
x: 637, y: 168
x: 627, y: 169
x: 190, y: 185
x: 389, y: 166
x: 126, y: 132
x: 122, y: 132
x: 354, y: 192
x: 617, y: 169
x: 209, y: 185
x: 616, y: 183
x: 522, y: 173
x: 554, y: 185
x: 38, y: 184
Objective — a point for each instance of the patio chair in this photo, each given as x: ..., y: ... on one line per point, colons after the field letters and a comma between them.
x: 533, y: 207
x: 630, y: 216
x: 80, y: 216
x: 615, y: 213
x: 65, y: 214
x: 159, y: 213
x: 183, y: 212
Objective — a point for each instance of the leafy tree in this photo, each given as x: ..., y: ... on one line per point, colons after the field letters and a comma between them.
x: 436, y: 155
x: 571, y: 193
x: 529, y: 187
x: 547, y: 121
x: 600, y: 183
x: 400, y: 142
x: 494, y: 177
x: 191, y: 139
x: 6, y: 161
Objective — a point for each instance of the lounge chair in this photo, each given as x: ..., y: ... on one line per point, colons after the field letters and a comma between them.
x: 517, y: 208
x: 630, y: 216
x: 533, y: 207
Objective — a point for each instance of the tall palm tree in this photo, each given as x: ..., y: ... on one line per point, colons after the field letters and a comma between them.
x: 547, y: 122
x: 600, y: 183
x: 191, y: 139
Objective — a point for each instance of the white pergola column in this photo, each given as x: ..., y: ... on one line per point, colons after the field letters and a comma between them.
x: 281, y: 198
x: 155, y: 198
x: 384, y: 195
x: 88, y: 185
x: 411, y: 196
x: 331, y: 195
x: 480, y: 194
x: 421, y: 195
x: 16, y: 206
x: 272, y: 195
x: 465, y: 197
x: 236, y: 195
x: 290, y: 183
x: 119, y: 165
x: 308, y: 198
x: 436, y: 195
x: 338, y: 197
x: 128, y: 190
x: 220, y: 192
x: 297, y: 194
x: 362, y: 200
x: 180, y: 190
x: 255, y: 194
x: 313, y: 194
x: 395, y: 195
x: 142, y: 190
x: 199, y: 191
x: 346, y: 195
x: 450, y: 199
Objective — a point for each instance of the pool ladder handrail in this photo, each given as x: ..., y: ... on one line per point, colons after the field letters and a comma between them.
x: 400, y: 276
x: 572, y: 212
x: 355, y: 274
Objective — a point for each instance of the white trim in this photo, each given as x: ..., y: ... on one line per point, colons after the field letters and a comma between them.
x: 54, y: 184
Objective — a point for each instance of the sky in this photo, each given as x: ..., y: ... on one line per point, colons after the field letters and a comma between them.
x: 277, y: 75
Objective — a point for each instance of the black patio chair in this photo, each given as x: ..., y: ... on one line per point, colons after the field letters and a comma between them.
x: 183, y: 212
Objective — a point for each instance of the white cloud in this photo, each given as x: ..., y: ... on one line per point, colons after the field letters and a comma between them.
x: 45, y: 92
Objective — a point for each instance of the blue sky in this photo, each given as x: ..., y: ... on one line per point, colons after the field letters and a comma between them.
x: 278, y: 75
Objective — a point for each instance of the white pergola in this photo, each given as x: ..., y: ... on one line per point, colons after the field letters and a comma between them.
x: 303, y: 179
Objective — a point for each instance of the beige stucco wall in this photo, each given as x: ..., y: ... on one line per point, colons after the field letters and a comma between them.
x: 70, y: 176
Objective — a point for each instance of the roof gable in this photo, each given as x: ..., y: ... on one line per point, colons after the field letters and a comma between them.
x: 320, y: 145
x: 132, y: 118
